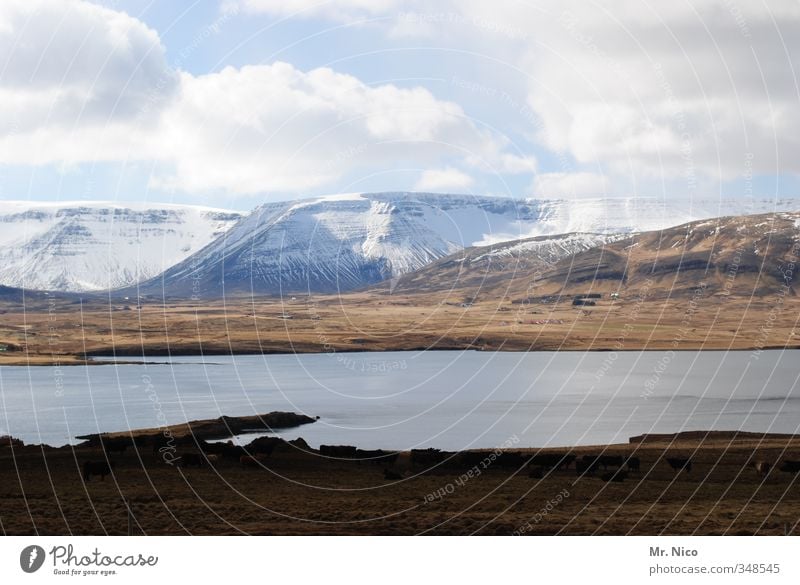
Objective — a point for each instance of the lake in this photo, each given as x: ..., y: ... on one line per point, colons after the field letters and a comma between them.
x: 401, y: 400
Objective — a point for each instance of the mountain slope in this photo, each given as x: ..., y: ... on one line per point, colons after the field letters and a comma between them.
x: 741, y: 255
x: 85, y: 246
x: 343, y: 242
x: 488, y: 267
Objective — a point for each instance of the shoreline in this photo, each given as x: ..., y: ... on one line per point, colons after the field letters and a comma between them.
x: 280, y: 487
x: 209, y: 429
x: 88, y: 359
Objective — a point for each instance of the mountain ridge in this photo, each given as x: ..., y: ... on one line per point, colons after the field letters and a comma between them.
x: 345, y: 242
x: 91, y: 246
x: 332, y: 243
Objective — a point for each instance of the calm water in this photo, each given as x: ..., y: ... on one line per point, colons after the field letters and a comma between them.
x: 450, y: 400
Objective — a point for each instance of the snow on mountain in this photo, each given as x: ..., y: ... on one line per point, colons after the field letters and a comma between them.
x: 632, y: 214
x: 342, y: 242
x: 548, y: 248
x: 482, y: 268
x: 85, y: 246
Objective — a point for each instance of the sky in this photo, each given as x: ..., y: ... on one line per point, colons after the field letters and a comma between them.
x: 232, y: 103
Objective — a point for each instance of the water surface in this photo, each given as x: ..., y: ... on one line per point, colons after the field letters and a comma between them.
x: 402, y: 400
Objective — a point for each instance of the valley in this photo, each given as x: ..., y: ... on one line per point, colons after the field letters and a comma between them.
x: 726, y: 283
x: 374, y: 322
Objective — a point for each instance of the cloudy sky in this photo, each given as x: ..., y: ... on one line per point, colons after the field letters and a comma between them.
x: 235, y: 102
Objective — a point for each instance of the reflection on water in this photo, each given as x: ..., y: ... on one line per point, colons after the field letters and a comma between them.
x: 401, y: 400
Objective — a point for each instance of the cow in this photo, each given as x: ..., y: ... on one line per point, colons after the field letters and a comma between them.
x: 762, y: 467
x: 536, y: 473
x: 566, y: 461
x: 162, y: 443
x: 403, y: 463
x: 212, y: 448
x: 513, y: 460
x: 338, y: 451
x: 264, y: 445
x: 790, y: 466
x: 552, y: 460
x: 617, y: 475
x: 139, y: 442
x: 592, y: 460
x: 612, y: 460
x: 471, y: 458
x: 587, y: 465
x: 101, y: 468
x: 117, y: 445
x: 633, y: 464
x: 233, y: 452
x: 427, y: 457
x: 375, y: 457
x: 190, y: 459
x: 391, y: 475
x: 680, y: 463
x: 252, y: 460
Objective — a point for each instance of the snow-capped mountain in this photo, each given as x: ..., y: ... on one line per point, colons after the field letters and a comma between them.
x: 343, y: 242
x: 482, y: 268
x: 85, y: 246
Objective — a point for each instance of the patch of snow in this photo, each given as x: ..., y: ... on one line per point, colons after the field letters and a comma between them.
x: 84, y: 246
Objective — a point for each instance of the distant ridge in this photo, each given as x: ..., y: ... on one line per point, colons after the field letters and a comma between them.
x: 91, y: 246
x: 344, y: 242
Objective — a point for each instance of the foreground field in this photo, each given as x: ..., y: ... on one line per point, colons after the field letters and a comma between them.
x: 294, y: 492
x: 62, y: 332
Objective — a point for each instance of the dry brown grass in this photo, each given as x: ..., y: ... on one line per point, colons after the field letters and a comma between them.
x: 374, y: 321
x: 41, y: 491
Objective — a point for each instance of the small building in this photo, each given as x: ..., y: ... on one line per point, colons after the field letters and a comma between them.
x: 583, y: 303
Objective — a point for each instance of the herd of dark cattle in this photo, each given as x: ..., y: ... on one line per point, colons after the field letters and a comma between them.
x: 177, y: 453
x: 199, y: 453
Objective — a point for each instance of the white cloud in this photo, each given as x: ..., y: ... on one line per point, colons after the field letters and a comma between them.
x: 570, y: 185
x: 447, y: 179
x: 654, y: 89
x: 661, y: 92
x: 651, y: 90
x: 85, y: 83
x: 78, y: 81
x: 276, y: 128
x: 333, y: 9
